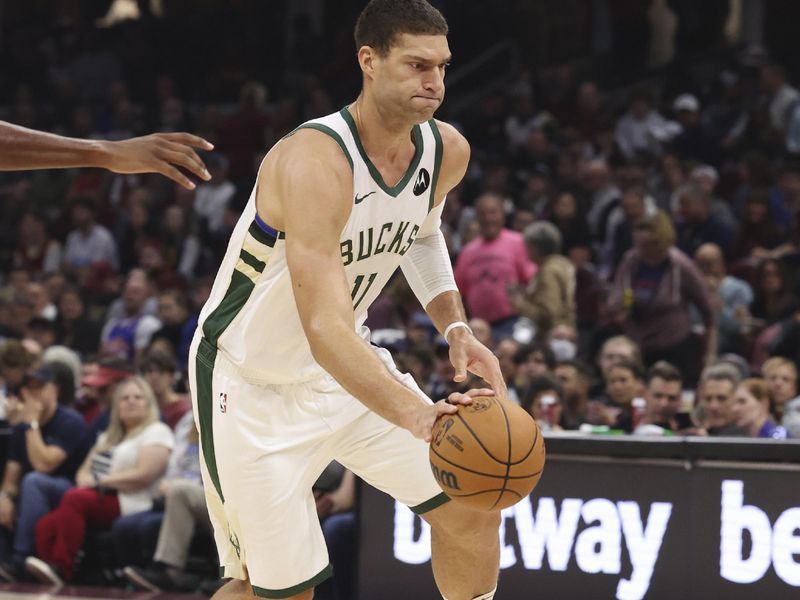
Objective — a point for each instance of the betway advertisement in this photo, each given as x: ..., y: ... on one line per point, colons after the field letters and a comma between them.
x: 615, y: 529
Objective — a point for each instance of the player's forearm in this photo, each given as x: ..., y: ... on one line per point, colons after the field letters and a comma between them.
x: 22, y: 149
x: 446, y: 308
x: 350, y: 360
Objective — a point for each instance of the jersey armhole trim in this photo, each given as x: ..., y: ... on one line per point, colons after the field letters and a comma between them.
x: 437, y: 162
x: 331, y: 133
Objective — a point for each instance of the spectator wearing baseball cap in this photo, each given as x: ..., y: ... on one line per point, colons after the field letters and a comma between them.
x: 695, y: 142
x: 44, y: 452
x: 97, y: 387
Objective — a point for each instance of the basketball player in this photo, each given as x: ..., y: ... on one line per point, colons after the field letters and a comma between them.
x: 284, y: 378
x: 24, y: 149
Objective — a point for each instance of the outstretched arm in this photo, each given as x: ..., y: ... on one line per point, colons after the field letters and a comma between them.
x: 24, y: 149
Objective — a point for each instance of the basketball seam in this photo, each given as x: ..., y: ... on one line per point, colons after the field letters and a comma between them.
x: 516, y: 493
x: 477, y: 439
x: 533, y: 445
x: 508, y: 466
x: 481, y: 473
x: 485, y: 449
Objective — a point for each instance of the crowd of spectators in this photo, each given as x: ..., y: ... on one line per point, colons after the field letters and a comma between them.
x: 630, y: 256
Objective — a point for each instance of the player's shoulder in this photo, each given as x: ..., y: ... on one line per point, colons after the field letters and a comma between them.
x: 454, y: 142
x: 311, y: 143
x: 456, y: 148
x: 309, y: 151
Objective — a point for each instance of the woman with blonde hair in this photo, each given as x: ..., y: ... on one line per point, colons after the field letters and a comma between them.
x: 654, y: 287
x: 119, y: 476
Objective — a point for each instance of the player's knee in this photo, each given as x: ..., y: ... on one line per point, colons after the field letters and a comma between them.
x: 487, y: 596
x: 454, y: 520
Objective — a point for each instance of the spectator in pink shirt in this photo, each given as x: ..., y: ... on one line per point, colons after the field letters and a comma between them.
x: 489, y: 264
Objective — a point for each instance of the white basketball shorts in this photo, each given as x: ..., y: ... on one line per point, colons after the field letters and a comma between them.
x: 264, y: 446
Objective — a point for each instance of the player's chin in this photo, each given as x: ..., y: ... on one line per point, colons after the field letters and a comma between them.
x: 426, y: 106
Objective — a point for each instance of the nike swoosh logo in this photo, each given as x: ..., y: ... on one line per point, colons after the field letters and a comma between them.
x: 361, y: 199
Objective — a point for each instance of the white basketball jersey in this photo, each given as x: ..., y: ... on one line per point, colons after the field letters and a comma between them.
x: 251, y: 314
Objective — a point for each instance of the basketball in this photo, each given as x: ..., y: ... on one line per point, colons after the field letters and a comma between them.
x: 489, y: 455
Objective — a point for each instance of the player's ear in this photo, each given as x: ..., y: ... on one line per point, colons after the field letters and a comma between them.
x: 366, y: 59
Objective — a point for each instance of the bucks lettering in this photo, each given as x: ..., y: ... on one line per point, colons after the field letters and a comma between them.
x: 390, y: 237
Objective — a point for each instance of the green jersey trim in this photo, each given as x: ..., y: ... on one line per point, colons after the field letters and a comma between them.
x: 373, y: 171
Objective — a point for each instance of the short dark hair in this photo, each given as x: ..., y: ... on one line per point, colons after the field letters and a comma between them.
x: 664, y: 370
x: 158, y: 361
x: 523, y: 354
x: 13, y: 355
x: 632, y: 366
x: 382, y: 21
x: 64, y: 379
x: 542, y: 383
x: 581, y: 368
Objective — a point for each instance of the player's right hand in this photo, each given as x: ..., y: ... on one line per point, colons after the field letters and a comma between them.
x: 427, y: 414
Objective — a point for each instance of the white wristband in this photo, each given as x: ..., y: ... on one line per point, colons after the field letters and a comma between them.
x: 454, y: 325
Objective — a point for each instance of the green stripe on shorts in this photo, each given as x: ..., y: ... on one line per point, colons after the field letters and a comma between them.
x: 204, y: 367
x: 429, y: 505
x: 295, y: 589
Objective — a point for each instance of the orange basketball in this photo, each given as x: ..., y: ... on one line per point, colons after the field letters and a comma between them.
x: 489, y: 455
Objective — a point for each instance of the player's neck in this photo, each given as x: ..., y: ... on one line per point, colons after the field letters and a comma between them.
x: 382, y: 135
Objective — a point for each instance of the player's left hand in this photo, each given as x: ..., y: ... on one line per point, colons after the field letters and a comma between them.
x: 159, y: 153
x: 468, y: 354
x: 466, y: 397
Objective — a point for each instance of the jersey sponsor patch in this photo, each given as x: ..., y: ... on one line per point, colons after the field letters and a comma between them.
x: 422, y: 182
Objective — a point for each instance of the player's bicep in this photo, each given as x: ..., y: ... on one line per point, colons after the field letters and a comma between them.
x: 316, y: 205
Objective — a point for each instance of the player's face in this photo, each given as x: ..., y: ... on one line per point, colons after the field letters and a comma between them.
x: 409, y: 81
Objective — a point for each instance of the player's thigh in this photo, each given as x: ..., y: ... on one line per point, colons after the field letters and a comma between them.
x: 263, y: 447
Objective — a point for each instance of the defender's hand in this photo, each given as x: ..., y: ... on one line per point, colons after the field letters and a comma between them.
x: 159, y: 153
